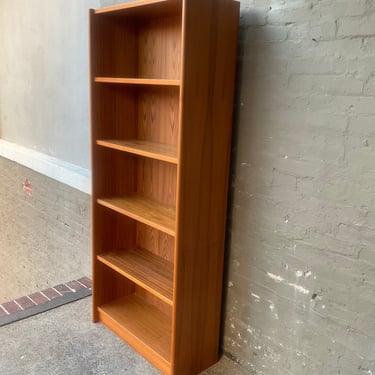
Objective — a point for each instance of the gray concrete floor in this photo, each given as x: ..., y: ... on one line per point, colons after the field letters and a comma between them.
x: 65, y: 341
x: 38, y: 250
x: 44, y: 238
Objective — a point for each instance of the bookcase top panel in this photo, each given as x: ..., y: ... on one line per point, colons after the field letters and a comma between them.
x: 143, y: 8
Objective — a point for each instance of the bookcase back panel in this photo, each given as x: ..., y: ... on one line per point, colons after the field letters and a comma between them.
x: 157, y: 180
x: 112, y: 285
x: 131, y: 112
x: 122, y: 174
x: 145, y: 48
x: 159, y: 48
x: 158, y: 114
x: 152, y: 300
x: 157, y: 242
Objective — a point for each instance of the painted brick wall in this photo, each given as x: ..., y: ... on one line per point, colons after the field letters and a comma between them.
x: 301, y: 249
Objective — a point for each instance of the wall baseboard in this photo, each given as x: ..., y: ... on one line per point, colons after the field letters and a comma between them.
x: 66, y: 173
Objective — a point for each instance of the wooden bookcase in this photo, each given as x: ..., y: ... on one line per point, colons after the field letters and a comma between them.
x: 162, y: 83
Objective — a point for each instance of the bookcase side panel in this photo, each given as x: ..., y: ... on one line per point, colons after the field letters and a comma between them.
x: 116, y: 47
x: 210, y: 30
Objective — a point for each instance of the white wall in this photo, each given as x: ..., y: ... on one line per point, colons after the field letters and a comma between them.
x: 44, y: 86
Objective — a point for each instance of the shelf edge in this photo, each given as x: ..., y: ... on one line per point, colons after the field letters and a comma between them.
x: 139, y: 81
x: 134, y: 341
x: 140, y: 283
x: 137, y: 217
x: 137, y: 151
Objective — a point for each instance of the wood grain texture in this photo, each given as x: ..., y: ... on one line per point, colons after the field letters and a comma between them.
x: 142, y: 326
x: 158, y: 115
x: 130, y: 112
x: 152, y: 150
x: 145, y: 210
x: 110, y: 286
x: 138, y: 81
x: 210, y: 35
x: 143, y: 9
x: 159, y: 48
x: 109, y: 59
x: 147, y: 270
x: 107, y: 284
x: 115, y: 112
x: 162, y: 72
x: 157, y: 181
x: 159, y: 243
x: 138, y: 52
x: 117, y: 173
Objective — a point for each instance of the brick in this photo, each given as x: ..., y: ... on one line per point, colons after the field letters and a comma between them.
x: 323, y: 29
x: 38, y: 298
x: 25, y: 302
x: 329, y: 84
x: 62, y: 288
x: 50, y: 293
x: 311, y: 66
x: 11, y: 307
x: 340, y: 8
x: 367, y: 255
x: 86, y: 282
x: 363, y: 125
x: 287, y: 15
x: 356, y: 26
x: 367, y: 46
x: 299, y: 31
x: 75, y: 285
x: 252, y: 16
x: 369, y: 87
x: 267, y: 33
x: 272, y: 67
x: 2, y: 312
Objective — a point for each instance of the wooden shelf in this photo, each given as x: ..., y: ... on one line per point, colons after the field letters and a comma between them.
x: 145, y: 210
x: 153, y: 150
x: 147, y: 270
x: 143, y: 8
x: 139, y: 81
x: 162, y: 74
x: 142, y: 325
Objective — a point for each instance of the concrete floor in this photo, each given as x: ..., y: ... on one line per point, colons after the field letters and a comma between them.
x: 65, y: 341
x: 45, y: 237
x: 44, y: 241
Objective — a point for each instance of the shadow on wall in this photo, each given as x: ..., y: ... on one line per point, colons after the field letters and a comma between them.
x: 243, y: 90
x: 300, y: 257
x: 264, y: 301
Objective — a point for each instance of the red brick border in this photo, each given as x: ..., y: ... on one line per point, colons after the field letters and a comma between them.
x: 44, y: 300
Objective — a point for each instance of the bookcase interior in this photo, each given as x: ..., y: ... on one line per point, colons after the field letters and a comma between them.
x: 141, y: 47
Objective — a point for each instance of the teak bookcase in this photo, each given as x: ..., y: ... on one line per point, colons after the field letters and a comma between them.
x: 162, y: 84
